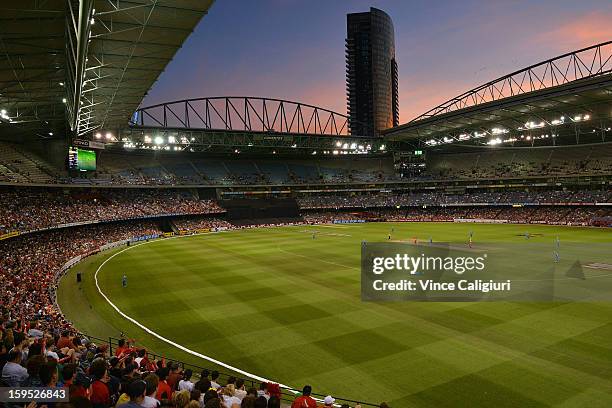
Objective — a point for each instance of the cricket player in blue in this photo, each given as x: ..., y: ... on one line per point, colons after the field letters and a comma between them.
x: 124, y: 281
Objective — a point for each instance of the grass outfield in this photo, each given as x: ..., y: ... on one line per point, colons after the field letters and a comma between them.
x: 279, y: 304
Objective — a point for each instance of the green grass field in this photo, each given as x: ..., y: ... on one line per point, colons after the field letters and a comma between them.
x: 279, y: 304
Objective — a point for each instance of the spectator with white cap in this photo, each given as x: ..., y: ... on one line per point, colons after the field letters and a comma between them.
x: 329, y: 401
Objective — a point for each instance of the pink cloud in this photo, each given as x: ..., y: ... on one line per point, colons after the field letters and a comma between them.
x: 450, y: 77
x: 418, y: 97
x: 580, y: 31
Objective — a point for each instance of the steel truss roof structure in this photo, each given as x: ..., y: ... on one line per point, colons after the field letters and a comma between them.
x: 239, y: 124
x: 247, y: 142
x: 32, y: 66
x: 90, y: 61
x: 243, y: 113
x: 570, y: 95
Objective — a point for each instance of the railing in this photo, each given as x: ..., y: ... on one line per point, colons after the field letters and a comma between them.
x: 287, y: 395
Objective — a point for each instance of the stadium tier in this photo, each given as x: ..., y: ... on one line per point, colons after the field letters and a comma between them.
x: 31, y: 209
x: 21, y: 165
x: 38, y: 208
x: 515, y: 163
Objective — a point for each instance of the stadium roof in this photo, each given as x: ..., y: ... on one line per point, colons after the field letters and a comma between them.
x: 87, y: 63
x: 570, y: 95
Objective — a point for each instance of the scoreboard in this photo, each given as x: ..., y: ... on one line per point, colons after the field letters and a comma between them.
x: 81, y: 159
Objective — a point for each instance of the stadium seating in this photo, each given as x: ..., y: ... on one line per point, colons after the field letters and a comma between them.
x: 19, y: 165
x: 244, y: 172
x: 519, y: 162
x: 571, y: 215
x: 184, y: 172
x: 214, y: 171
x: 24, y: 167
x: 28, y: 209
x: 274, y: 173
x: 437, y: 199
x: 301, y: 173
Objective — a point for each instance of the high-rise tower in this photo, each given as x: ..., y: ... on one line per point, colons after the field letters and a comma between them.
x: 371, y: 73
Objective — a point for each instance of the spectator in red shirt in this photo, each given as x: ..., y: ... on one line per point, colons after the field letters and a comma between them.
x: 65, y: 341
x: 305, y: 400
x: 175, y: 375
x: 122, y: 348
x: 100, y: 394
x: 163, y: 389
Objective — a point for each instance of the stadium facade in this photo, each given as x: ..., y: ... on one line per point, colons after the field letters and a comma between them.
x: 371, y: 73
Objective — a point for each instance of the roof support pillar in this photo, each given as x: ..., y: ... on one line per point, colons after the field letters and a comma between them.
x: 79, y: 28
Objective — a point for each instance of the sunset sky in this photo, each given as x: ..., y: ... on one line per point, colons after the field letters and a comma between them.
x: 294, y: 49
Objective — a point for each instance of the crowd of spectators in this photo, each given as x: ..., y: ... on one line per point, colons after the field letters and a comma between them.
x: 569, y: 215
x: 25, y: 209
x: 200, y: 223
x: 499, y: 164
x: 326, y: 217
x: 331, y: 201
x: 94, y: 376
x: 254, y: 177
x: 28, y: 264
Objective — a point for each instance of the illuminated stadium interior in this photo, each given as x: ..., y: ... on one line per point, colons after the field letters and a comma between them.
x: 214, y: 244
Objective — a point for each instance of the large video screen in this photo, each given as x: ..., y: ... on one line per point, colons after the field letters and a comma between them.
x: 81, y: 159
